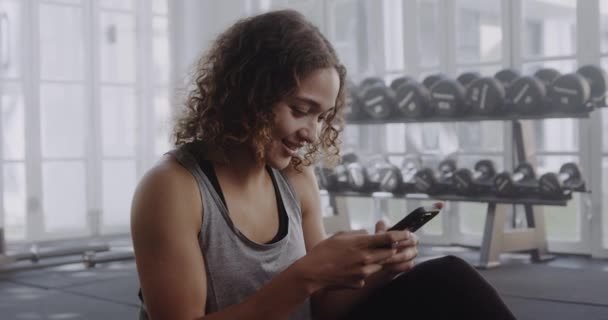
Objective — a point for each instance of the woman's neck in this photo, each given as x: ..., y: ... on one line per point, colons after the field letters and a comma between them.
x: 243, y: 170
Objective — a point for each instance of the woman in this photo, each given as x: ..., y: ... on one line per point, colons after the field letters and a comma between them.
x: 229, y: 226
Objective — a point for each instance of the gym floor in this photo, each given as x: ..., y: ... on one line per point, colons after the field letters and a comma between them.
x: 568, y: 287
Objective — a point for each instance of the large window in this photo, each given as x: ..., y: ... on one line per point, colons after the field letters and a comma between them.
x: 74, y: 146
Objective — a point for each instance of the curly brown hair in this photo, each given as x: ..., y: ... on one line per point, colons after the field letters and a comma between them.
x: 250, y: 67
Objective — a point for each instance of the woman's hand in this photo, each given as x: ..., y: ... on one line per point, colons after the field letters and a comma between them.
x: 407, y: 250
x: 346, y: 259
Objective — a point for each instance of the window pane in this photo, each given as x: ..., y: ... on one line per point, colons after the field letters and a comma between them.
x: 563, y: 223
x: 13, y: 122
x: 395, y: 137
x: 605, y: 198
x: 162, y: 117
x: 64, y: 192
x: 118, y: 4
x: 429, y: 33
x: 393, y: 35
x: 61, y: 42
x: 478, y: 31
x: 549, y: 27
x: 605, y: 129
x: 118, y: 47
x: 11, y: 38
x: 161, y: 50
x: 14, y: 200
x: 481, y: 136
x: 160, y: 6
x: 556, y: 134
x: 441, y: 138
x: 62, y: 120
x: 348, y: 33
x: 604, y: 25
x: 118, y: 122
x: 118, y: 187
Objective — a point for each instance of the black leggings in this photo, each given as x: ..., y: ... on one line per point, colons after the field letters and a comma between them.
x: 444, y: 288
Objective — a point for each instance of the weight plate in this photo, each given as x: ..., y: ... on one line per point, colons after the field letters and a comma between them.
x: 448, y: 98
x: 398, y: 82
x: 425, y: 180
x: 569, y: 93
x: 547, y: 75
x: 463, y: 179
x: 412, y: 100
x: 432, y: 80
x: 598, y: 80
x: 486, y: 169
x: 447, y: 165
x: 549, y: 184
x: 486, y: 96
x: 506, y: 76
x: 527, y: 95
x: 378, y: 101
x: 467, y: 77
x: 526, y: 170
x: 571, y: 169
x: 503, y: 183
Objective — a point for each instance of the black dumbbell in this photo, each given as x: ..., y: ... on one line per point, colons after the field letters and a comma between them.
x: 427, y: 181
x: 377, y: 100
x: 448, y: 97
x: 376, y: 170
x: 400, y: 181
x: 353, y: 109
x: 598, y: 81
x: 507, y: 77
x: 486, y: 96
x: 432, y: 80
x: 547, y: 75
x: 480, y: 181
x: 560, y: 185
x: 398, y: 82
x: 522, y: 182
x: 335, y: 179
x: 527, y: 95
x: 570, y: 92
x: 412, y: 100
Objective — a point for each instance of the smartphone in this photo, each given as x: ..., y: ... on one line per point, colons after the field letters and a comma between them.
x: 417, y: 218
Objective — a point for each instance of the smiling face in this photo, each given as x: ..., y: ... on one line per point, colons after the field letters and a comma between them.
x: 299, y: 117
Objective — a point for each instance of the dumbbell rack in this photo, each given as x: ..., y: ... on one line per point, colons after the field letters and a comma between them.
x: 496, y: 239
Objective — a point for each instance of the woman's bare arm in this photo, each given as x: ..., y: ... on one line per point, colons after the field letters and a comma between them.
x: 166, y: 218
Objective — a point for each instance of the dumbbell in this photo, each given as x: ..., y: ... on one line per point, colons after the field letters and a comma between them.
x: 557, y: 185
x: 547, y: 75
x: 398, y: 82
x: 427, y: 181
x: 507, y: 77
x: 412, y: 99
x: 335, y: 179
x: 377, y: 169
x: 378, y: 100
x: 577, y: 92
x: 486, y: 96
x: 480, y: 181
x: 352, y: 107
x: 448, y: 96
x: 522, y: 182
x: 432, y: 80
x: 358, y: 177
x: 400, y: 181
x: 598, y: 81
x: 527, y: 95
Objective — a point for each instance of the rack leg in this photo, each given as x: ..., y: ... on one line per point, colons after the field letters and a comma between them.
x: 492, y: 236
x: 536, y: 221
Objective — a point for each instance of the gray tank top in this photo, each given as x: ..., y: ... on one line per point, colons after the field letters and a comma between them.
x: 237, y: 267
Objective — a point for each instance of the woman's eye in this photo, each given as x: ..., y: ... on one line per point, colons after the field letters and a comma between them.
x: 299, y: 112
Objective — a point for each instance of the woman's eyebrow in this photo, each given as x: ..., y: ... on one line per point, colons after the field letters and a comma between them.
x: 314, y: 104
